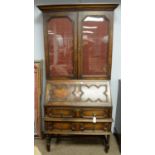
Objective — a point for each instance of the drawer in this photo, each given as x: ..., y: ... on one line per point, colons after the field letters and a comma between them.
x: 98, y: 113
x: 61, y: 112
x: 71, y: 126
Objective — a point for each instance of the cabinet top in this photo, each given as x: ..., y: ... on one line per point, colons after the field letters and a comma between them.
x: 81, y: 6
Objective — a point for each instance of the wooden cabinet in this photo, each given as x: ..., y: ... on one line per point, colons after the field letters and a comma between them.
x: 78, y: 56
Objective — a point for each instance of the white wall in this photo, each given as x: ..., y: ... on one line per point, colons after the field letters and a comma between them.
x: 38, y: 34
x: 116, y: 63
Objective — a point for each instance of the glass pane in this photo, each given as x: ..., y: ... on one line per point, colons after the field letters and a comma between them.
x: 60, y: 47
x: 95, y: 39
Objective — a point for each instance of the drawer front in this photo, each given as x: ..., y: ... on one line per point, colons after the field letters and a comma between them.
x: 98, y: 113
x: 59, y: 112
x: 71, y: 126
x: 78, y: 112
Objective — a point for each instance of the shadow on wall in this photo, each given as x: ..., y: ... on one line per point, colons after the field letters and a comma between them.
x: 117, y: 127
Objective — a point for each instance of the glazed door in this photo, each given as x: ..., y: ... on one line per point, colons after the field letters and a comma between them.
x: 95, y: 44
x: 60, y: 31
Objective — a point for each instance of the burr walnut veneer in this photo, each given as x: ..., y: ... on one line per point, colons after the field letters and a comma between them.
x: 78, y: 57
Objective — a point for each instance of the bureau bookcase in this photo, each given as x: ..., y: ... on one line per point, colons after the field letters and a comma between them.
x: 78, y: 56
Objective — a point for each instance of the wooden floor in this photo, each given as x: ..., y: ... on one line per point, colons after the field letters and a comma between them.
x: 77, y: 146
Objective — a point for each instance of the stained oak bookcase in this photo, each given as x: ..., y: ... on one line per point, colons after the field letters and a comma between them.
x: 78, y: 55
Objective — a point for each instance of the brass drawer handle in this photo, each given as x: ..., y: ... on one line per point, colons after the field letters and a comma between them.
x: 105, y: 129
x: 49, y: 126
x: 73, y: 127
x: 82, y: 127
x: 73, y: 113
x: 49, y: 114
x: 81, y: 113
x: 61, y: 115
x: 94, y: 127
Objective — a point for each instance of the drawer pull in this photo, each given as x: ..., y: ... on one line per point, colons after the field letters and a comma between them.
x: 81, y: 113
x: 81, y: 127
x: 74, y: 112
x: 105, y: 129
x: 73, y: 127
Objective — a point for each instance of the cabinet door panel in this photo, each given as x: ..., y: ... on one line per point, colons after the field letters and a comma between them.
x: 61, y: 45
x: 95, y: 44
